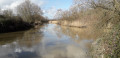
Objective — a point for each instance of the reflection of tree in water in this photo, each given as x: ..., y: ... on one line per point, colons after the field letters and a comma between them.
x: 10, y: 37
x: 31, y: 38
x: 21, y: 44
x: 58, y: 31
x: 24, y: 38
x: 78, y: 34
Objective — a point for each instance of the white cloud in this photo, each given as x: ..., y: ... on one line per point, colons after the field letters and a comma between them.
x: 11, y: 4
x: 38, y: 2
x: 50, y: 12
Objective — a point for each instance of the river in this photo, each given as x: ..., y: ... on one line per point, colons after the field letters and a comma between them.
x: 47, y: 41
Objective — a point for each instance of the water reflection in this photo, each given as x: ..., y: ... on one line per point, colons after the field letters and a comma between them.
x: 78, y: 34
x: 20, y: 44
x: 10, y: 37
x: 48, y: 41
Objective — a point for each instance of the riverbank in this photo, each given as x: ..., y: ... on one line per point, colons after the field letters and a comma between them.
x: 76, y: 23
x: 17, y: 25
x: 13, y: 24
x: 108, y: 46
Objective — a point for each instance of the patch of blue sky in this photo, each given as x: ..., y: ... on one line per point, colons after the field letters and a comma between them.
x: 51, y: 6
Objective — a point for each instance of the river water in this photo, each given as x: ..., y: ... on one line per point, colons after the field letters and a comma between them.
x: 47, y: 41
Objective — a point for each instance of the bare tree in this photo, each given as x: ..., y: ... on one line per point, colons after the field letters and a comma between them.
x: 29, y: 12
x: 111, y: 5
x: 58, y: 14
x: 0, y: 12
x: 8, y: 13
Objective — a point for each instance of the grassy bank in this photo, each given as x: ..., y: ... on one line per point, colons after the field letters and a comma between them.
x: 108, y: 46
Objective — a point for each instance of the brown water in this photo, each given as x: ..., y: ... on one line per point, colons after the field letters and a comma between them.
x: 48, y: 41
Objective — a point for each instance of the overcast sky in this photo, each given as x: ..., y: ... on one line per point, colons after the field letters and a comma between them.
x: 49, y: 7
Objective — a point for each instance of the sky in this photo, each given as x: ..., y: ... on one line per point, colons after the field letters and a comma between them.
x: 49, y: 7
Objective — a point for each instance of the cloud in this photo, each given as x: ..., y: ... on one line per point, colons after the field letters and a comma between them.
x: 38, y: 2
x: 11, y: 4
x: 50, y: 12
